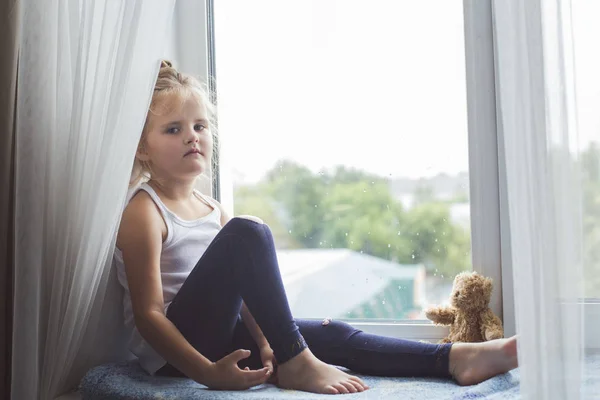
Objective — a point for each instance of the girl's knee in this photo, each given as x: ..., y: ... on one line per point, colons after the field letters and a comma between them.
x: 338, y: 329
x: 251, y: 218
x: 246, y: 225
x: 245, y: 220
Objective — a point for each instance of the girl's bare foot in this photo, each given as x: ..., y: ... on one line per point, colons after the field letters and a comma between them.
x: 472, y: 363
x: 306, y: 372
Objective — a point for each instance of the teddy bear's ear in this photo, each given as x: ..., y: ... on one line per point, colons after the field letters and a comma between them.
x: 487, y: 285
x: 462, y: 275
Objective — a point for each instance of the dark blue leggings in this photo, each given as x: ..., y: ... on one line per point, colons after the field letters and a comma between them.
x: 241, y: 263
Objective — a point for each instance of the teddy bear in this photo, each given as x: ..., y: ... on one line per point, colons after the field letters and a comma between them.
x: 469, y: 314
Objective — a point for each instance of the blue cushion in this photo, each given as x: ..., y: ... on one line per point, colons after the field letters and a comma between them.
x: 127, y: 380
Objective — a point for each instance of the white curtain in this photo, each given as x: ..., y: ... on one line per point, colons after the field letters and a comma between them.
x: 85, y: 79
x: 536, y: 118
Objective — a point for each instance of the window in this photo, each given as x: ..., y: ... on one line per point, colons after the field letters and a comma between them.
x: 587, y: 80
x: 344, y: 127
x: 587, y: 65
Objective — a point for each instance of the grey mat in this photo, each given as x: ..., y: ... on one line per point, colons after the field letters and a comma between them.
x: 126, y: 380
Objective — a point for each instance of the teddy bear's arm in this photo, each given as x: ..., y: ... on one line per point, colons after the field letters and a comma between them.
x: 441, y: 315
x: 491, y: 326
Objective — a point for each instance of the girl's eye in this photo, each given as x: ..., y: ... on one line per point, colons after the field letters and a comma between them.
x: 173, y: 130
x: 199, y: 127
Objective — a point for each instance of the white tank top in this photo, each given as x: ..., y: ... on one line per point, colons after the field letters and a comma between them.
x: 185, y: 243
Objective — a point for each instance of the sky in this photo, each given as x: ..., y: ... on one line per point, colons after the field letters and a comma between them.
x: 379, y: 87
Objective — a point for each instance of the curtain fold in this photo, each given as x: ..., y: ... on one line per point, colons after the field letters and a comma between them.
x: 9, y: 36
x: 86, y: 74
x: 536, y: 116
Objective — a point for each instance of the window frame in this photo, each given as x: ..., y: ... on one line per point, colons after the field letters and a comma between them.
x: 490, y: 230
x: 483, y: 165
x: 490, y: 224
x: 490, y: 236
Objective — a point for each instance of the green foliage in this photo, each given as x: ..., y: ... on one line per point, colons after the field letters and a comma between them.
x: 348, y: 208
x: 300, y: 193
x: 362, y: 216
x: 251, y: 200
x: 437, y: 243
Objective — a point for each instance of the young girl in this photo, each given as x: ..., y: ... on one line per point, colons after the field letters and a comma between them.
x: 203, y: 293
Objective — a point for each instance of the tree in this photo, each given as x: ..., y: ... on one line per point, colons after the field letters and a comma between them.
x: 343, y: 174
x: 349, y: 208
x: 251, y: 200
x: 300, y: 193
x: 363, y: 216
x: 435, y: 241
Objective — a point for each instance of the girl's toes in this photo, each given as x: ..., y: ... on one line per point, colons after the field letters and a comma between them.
x: 349, y: 386
x: 359, y: 381
x: 330, y: 390
x: 357, y: 385
x: 341, y: 388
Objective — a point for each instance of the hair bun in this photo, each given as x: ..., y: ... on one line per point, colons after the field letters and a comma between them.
x: 166, y: 64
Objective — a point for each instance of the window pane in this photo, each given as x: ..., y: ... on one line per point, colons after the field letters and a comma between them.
x: 587, y: 78
x: 347, y: 130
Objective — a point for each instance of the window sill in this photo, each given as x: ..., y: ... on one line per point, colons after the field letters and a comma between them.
x: 410, y: 330
x: 591, y: 315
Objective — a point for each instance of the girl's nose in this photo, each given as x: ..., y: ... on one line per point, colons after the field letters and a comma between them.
x: 192, y: 136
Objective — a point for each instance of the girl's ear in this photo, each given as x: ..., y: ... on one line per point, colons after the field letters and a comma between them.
x: 141, y: 153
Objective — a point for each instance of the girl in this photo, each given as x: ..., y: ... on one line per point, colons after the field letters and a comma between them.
x: 203, y: 292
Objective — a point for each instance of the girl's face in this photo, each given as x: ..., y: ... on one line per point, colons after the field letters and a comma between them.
x: 171, y: 136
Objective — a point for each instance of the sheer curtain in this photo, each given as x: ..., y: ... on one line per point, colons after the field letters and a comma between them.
x: 85, y: 77
x: 536, y: 117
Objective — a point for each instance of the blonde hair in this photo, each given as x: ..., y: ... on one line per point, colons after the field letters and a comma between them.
x: 171, y: 82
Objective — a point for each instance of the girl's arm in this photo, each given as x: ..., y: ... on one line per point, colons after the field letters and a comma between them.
x: 253, y: 327
x: 266, y: 353
x: 140, y: 240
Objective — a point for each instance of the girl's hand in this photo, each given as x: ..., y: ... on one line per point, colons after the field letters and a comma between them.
x: 226, y: 375
x: 268, y: 361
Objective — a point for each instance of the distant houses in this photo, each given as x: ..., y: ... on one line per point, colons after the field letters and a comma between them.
x: 341, y: 283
